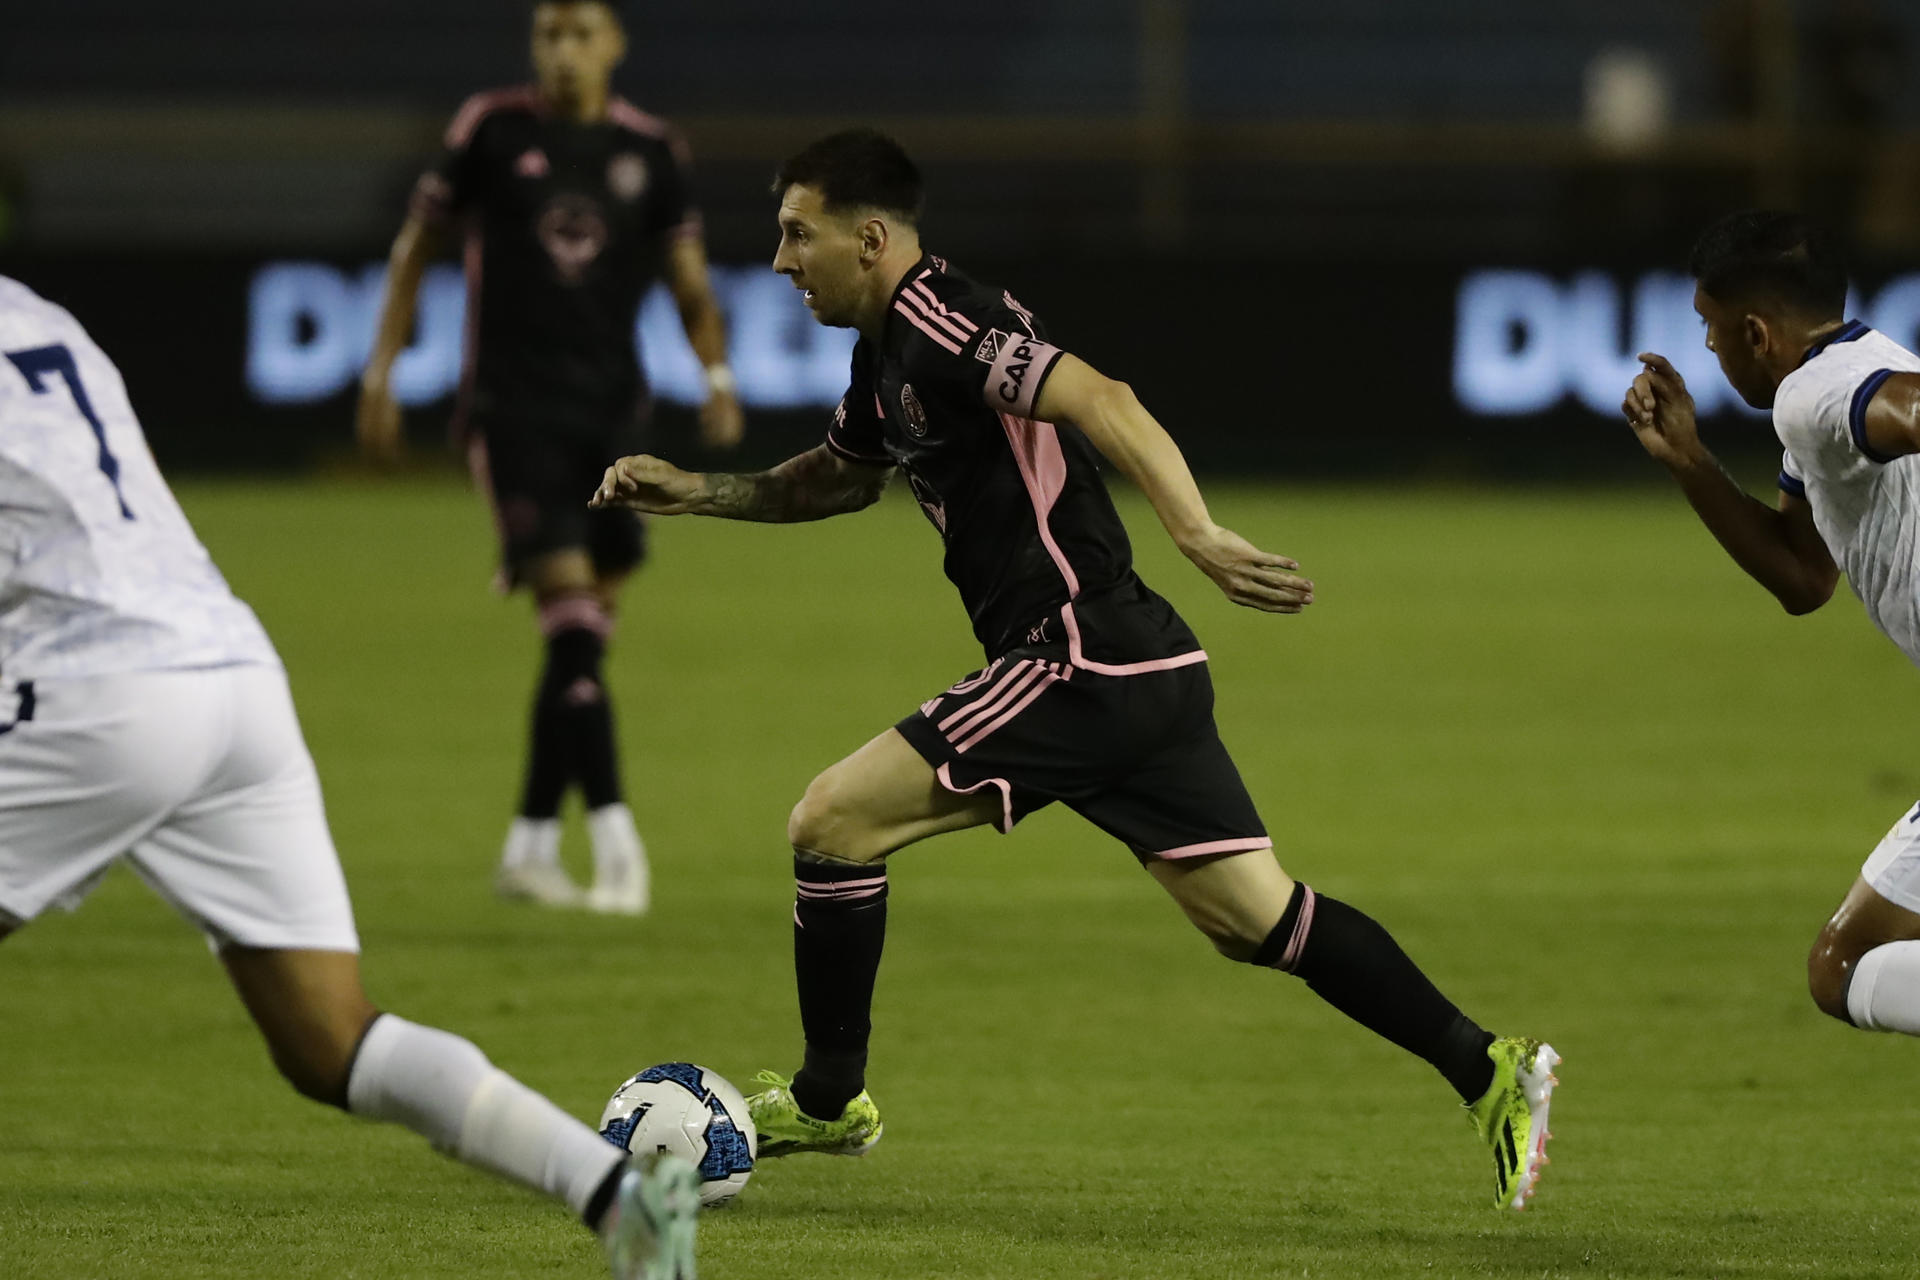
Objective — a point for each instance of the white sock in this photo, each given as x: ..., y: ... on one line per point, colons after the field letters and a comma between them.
x: 531, y: 840
x: 1885, y: 992
x: 616, y: 842
x: 444, y: 1089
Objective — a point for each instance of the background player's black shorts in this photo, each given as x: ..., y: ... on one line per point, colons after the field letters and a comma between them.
x: 539, y: 478
x: 1138, y: 756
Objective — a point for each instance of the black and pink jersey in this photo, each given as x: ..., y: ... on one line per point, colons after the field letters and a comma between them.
x: 567, y: 225
x: 1033, y: 543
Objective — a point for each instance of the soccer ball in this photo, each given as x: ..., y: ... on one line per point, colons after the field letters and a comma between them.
x: 689, y: 1112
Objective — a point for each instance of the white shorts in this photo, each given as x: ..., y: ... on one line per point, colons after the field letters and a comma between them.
x: 200, y: 779
x: 1892, y: 870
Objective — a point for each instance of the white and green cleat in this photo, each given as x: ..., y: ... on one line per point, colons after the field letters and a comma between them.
x: 785, y: 1129
x: 1511, y: 1116
x: 649, y: 1228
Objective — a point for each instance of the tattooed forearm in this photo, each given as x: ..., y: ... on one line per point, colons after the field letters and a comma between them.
x: 811, y: 486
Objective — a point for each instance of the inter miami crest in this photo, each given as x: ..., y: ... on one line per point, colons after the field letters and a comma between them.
x: 916, y: 415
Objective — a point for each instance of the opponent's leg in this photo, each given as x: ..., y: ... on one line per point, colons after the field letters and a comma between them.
x: 336, y: 1048
x: 1864, y: 967
x: 881, y: 798
x: 621, y: 879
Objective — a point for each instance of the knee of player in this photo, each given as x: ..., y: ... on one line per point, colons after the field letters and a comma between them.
x: 823, y: 823
x: 1829, y: 970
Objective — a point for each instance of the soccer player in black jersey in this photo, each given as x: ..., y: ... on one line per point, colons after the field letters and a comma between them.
x: 572, y: 202
x: 1095, y: 694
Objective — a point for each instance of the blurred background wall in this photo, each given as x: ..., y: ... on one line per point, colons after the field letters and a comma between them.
x: 1380, y: 235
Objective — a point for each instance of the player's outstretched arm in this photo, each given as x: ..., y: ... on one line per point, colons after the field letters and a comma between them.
x: 1122, y: 429
x: 721, y: 421
x: 1780, y: 549
x: 377, y: 420
x: 810, y: 486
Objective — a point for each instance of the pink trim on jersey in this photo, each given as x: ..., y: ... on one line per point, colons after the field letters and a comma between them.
x: 1051, y: 677
x: 581, y: 610
x: 1010, y: 674
x: 901, y: 306
x: 944, y: 774
x: 628, y: 116
x: 1244, y: 844
x: 1043, y: 468
x: 944, y: 323
x: 919, y: 294
x: 988, y: 707
x: 1079, y: 659
x: 809, y: 895
x: 481, y: 105
x: 1302, y: 925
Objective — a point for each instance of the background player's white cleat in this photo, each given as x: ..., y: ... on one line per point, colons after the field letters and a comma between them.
x: 622, y: 881
x: 530, y: 869
x: 649, y: 1229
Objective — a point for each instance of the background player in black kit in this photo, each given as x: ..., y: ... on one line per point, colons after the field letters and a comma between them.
x: 573, y: 202
x: 1096, y: 694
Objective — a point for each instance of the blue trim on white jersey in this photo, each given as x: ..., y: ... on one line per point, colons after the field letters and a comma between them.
x: 1857, y: 414
x: 1794, y: 486
x: 1851, y: 331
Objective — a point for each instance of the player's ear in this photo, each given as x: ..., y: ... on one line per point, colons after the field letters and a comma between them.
x: 873, y: 240
x: 1758, y: 332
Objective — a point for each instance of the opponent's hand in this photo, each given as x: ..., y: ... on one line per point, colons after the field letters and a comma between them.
x: 376, y: 421
x: 1659, y: 408
x: 646, y: 483
x: 1249, y: 576
x: 722, y: 422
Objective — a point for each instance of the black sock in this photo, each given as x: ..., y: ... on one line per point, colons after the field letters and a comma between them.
x: 602, y: 1198
x: 1356, y: 966
x: 839, y: 928
x: 572, y: 731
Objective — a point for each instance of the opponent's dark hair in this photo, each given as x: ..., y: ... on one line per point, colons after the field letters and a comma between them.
x: 856, y: 169
x: 1763, y: 255
x: 613, y: 7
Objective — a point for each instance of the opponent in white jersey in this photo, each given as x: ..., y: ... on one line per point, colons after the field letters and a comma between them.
x: 144, y: 716
x: 1846, y: 406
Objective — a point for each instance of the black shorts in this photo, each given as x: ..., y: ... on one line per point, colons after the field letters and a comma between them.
x: 1138, y: 756
x: 539, y: 480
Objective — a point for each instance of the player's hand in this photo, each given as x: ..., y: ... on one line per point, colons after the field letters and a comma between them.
x: 646, y: 483
x: 722, y: 422
x: 376, y: 422
x: 1659, y: 408
x: 1249, y: 576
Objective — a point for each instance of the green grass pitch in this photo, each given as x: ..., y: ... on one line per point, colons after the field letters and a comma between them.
x: 1590, y: 776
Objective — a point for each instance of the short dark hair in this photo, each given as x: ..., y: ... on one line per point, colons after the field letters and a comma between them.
x: 611, y: 6
x: 856, y: 169
x: 1766, y: 255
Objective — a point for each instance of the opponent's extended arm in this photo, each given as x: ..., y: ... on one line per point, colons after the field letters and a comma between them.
x: 377, y: 421
x: 1780, y: 549
x: 1122, y: 429
x: 810, y: 486
x: 721, y: 422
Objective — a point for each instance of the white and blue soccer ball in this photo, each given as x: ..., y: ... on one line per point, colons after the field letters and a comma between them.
x: 690, y: 1112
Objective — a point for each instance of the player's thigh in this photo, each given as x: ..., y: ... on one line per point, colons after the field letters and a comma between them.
x: 248, y: 857
x: 1236, y: 899
x: 87, y: 768
x: 310, y: 1008
x: 883, y: 797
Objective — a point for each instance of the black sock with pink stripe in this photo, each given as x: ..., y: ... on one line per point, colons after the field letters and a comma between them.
x: 839, y: 928
x: 571, y: 739
x: 1356, y: 966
